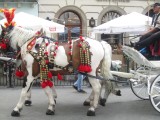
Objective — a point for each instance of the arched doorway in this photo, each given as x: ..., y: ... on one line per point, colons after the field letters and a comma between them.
x: 73, y: 26
x: 112, y: 39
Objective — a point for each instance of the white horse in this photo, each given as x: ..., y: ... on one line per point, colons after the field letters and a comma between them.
x: 100, y: 59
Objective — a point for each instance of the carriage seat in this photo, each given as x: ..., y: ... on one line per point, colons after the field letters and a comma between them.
x: 140, y: 59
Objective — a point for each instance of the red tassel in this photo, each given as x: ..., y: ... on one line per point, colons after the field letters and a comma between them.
x: 59, y: 77
x: 3, y: 46
x: 47, y: 44
x: 43, y: 84
x: 19, y: 73
x: 84, y: 68
x: 46, y: 83
x: 49, y: 83
x: 49, y: 74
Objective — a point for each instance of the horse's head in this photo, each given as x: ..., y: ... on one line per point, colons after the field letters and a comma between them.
x: 4, y: 40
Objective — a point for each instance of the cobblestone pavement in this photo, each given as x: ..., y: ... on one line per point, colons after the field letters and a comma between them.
x: 70, y: 106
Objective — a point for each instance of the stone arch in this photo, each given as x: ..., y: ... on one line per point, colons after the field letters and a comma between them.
x: 147, y: 9
x: 110, y: 8
x: 107, y: 9
x: 79, y: 12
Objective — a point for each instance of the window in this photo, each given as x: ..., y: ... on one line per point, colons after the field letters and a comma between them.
x: 112, y: 39
x: 73, y: 26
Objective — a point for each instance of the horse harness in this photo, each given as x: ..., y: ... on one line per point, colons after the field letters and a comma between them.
x: 46, y: 62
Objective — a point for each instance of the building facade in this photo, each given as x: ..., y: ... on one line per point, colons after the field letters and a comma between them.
x: 79, y: 16
x: 76, y: 14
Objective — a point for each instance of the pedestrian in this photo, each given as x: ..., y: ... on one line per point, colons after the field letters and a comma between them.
x: 78, y: 84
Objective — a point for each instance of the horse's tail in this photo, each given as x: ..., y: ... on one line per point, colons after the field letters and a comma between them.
x: 107, y: 59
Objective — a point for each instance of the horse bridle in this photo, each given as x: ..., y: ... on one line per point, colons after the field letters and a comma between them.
x: 4, y: 38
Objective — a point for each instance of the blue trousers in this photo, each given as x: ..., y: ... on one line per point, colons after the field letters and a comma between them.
x: 79, y: 81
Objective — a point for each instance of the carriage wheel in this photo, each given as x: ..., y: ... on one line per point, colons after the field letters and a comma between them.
x: 155, y: 93
x: 140, y: 87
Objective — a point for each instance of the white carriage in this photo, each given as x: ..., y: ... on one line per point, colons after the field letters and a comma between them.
x: 145, y: 80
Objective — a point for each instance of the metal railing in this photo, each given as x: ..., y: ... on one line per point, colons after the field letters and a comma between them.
x: 8, y: 78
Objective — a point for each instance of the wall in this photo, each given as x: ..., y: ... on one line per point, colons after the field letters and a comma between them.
x: 90, y: 8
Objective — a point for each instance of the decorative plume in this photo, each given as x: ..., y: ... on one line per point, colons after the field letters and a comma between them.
x: 9, y: 14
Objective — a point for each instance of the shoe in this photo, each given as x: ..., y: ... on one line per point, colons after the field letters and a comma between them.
x: 81, y: 91
x: 133, y: 44
x: 75, y: 87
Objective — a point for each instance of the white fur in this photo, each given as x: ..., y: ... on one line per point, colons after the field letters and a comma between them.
x: 18, y: 36
x: 100, y: 51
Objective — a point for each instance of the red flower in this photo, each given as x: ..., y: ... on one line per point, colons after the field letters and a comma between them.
x: 43, y: 69
x: 79, y: 45
x: 56, y: 47
x: 56, y: 43
x: 47, y: 61
x: 46, y: 53
x: 69, y: 53
x: 54, y: 54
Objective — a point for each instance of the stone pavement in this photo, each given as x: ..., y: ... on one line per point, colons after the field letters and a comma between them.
x: 70, y: 106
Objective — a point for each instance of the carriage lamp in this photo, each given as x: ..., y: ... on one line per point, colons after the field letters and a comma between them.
x: 47, y: 18
x: 92, y: 22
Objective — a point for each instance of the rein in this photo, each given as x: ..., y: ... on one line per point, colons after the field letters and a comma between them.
x: 101, y: 78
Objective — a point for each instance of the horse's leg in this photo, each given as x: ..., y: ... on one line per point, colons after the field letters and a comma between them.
x: 54, y: 92
x: 96, y: 86
x: 107, y: 91
x: 28, y: 101
x: 89, y: 100
x: 51, y: 108
x: 25, y: 89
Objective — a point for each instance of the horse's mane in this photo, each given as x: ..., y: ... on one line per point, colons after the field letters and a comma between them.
x: 19, y: 36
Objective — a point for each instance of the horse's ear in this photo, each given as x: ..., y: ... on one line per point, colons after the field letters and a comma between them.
x: 3, y: 28
x: 41, y: 31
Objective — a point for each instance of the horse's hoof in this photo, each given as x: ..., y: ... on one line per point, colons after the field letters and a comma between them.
x: 86, y: 103
x: 91, y: 113
x: 102, y: 102
x: 28, y: 103
x: 15, y: 113
x: 118, y: 93
x: 49, y: 112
